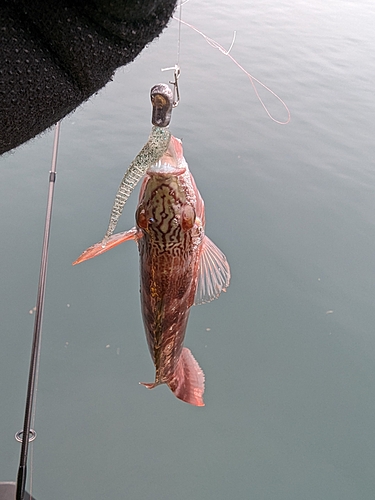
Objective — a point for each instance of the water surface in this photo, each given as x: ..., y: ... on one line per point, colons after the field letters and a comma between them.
x: 288, y: 351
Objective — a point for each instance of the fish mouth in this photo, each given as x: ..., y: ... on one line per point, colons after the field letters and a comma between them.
x: 172, y: 162
x: 165, y: 169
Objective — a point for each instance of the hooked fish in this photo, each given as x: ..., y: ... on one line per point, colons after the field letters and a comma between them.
x: 179, y: 267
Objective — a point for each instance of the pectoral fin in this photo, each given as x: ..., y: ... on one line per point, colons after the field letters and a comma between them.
x: 113, y: 241
x: 213, y: 273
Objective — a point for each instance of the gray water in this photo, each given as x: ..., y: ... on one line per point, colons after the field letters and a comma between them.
x: 288, y: 351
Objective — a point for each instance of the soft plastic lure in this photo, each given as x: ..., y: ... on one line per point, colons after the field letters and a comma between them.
x: 152, y: 151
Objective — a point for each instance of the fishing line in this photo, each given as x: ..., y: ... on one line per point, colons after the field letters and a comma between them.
x: 252, y: 79
x: 176, y: 68
x: 179, y: 36
x: 35, y: 351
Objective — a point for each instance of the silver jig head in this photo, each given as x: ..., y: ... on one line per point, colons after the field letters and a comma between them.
x: 162, y: 103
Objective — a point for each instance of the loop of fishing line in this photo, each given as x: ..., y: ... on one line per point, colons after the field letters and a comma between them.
x: 252, y: 79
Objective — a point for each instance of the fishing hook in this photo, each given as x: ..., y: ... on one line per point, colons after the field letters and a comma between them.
x: 176, y: 90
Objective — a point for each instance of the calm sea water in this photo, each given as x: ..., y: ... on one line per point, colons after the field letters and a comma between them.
x: 288, y: 351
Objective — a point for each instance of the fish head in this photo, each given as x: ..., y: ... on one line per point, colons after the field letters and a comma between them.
x: 167, y: 198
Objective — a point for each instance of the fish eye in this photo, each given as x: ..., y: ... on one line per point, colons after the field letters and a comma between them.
x: 140, y: 217
x: 187, y: 217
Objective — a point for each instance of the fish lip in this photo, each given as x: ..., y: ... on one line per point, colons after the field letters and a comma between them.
x: 160, y: 169
x: 172, y: 163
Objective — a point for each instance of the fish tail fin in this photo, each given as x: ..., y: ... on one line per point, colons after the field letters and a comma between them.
x: 187, y: 383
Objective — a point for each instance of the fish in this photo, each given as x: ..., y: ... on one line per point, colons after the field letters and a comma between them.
x: 179, y: 267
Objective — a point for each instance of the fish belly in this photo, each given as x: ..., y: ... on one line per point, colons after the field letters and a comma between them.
x: 167, y: 293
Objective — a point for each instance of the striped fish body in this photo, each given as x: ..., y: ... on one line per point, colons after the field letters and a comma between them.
x: 170, y: 215
x: 179, y: 267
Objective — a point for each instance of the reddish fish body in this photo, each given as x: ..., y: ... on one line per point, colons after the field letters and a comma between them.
x: 169, y: 215
x: 179, y: 266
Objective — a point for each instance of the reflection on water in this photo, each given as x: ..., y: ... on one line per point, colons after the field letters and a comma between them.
x: 288, y: 351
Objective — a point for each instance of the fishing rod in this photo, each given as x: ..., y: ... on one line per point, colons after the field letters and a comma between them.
x: 27, y: 434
